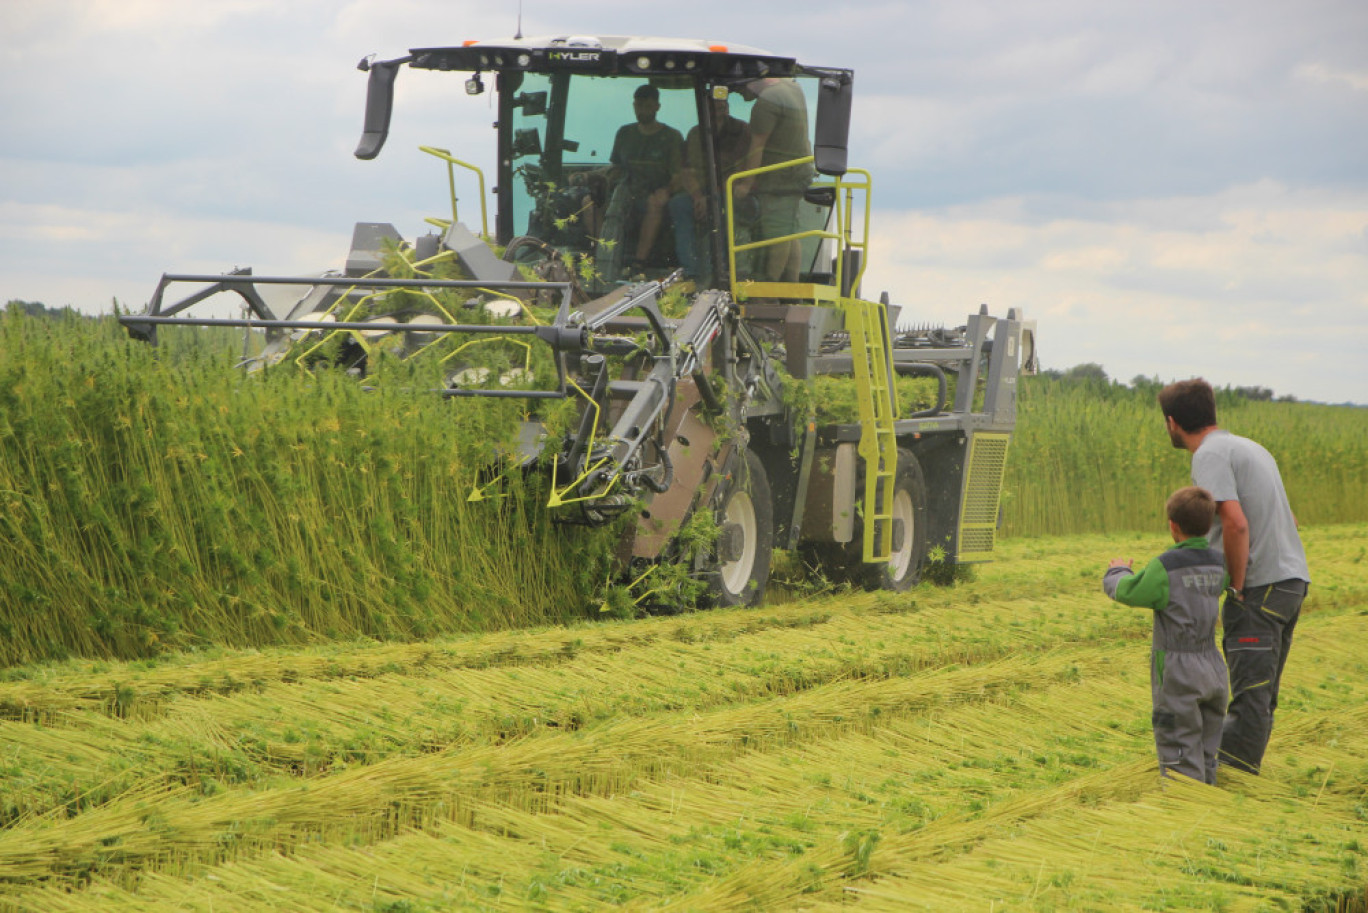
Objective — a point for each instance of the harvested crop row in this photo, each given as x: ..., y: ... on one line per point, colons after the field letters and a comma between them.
x: 1256, y: 850
x: 714, y: 806
x: 137, y: 688
x: 315, y: 725
x: 328, y: 723
x: 761, y: 797
x: 769, y: 827
x: 370, y: 801
x: 991, y: 618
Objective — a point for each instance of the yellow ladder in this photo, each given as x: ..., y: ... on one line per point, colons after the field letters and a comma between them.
x: 867, y: 324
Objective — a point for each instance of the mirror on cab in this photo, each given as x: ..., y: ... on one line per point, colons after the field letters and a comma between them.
x: 832, y: 136
x: 379, y: 104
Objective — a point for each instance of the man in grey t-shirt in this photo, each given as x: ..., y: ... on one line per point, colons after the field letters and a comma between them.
x: 1257, y: 532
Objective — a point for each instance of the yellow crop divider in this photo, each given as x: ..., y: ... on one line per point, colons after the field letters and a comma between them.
x: 867, y: 324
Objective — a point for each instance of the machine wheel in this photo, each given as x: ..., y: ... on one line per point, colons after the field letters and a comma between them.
x: 844, y: 563
x: 904, y: 566
x: 737, y: 568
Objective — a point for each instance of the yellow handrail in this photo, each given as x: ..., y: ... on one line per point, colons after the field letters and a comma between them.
x: 451, y: 182
x: 867, y: 323
x: 849, y: 187
x: 842, y: 237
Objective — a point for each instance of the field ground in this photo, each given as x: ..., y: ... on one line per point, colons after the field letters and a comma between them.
x: 985, y: 747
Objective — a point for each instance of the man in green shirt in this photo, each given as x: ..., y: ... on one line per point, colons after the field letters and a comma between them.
x: 779, y: 133
x: 646, y: 161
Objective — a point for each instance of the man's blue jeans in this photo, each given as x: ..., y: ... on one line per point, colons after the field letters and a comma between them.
x: 681, y: 209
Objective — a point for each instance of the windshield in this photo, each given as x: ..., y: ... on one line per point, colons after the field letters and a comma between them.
x: 614, y: 172
x: 594, y: 162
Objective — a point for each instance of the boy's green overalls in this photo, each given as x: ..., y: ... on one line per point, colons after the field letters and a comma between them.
x: 1187, y: 674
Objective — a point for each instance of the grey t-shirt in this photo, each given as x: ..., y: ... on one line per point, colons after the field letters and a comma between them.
x: 1234, y: 468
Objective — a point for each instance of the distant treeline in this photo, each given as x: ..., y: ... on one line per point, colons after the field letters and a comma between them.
x: 38, y: 309
x: 1094, y: 374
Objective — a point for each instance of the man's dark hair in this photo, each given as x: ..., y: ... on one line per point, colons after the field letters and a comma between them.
x: 1190, y: 403
x: 1193, y: 509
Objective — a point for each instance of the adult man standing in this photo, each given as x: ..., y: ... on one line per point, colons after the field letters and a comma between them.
x: 779, y: 133
x: 1264, y: 557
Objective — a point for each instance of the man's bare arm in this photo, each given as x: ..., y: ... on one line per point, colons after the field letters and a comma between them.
x: 1234, y: 541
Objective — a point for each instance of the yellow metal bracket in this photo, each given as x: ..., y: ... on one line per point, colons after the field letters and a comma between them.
x: 452, y: 163
x: 558, y: 494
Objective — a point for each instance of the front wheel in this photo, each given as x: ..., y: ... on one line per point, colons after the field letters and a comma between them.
x: 737, y: 567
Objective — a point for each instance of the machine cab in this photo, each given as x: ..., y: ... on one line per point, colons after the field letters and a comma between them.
x: 637, y: 158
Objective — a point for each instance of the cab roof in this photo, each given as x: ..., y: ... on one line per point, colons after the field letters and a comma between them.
x: 610, y: 55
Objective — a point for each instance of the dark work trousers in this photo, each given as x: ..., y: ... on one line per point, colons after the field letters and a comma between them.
x: 1257, y: 638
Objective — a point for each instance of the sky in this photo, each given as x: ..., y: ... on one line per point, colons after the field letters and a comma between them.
x: 1169, y: 189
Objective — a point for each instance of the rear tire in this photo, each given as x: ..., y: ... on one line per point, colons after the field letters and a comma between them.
x: 737, y: 567
x: 844, y: 562
x: 904, y: 566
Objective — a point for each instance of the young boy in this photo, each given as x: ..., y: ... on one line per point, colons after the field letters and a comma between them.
x: 1187, y: 674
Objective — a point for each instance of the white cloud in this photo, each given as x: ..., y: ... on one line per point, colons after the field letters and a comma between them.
x: 1320, y: 73
x: 1271, y: 275
x: 84, y: 258
x: 1163, y: 185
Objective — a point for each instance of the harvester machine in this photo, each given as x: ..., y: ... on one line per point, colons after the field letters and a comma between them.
x: 674, y: 266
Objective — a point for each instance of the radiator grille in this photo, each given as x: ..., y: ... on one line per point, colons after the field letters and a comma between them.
x: 982, y: 496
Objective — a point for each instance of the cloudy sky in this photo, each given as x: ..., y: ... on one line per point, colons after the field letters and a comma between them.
x: 1169, y: 188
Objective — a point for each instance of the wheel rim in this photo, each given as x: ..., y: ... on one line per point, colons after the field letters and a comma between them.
x: 741, y: 512
x: 900, y: 561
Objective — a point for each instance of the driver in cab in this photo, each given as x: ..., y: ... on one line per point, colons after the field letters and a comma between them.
x: 646, y: 159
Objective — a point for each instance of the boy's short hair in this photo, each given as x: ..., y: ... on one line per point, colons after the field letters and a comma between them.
x: 1192, y: 509
x: 1190, y: 403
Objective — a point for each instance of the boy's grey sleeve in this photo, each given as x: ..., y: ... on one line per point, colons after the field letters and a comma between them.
x: 1112, y: 579
x: 1146, y: 589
